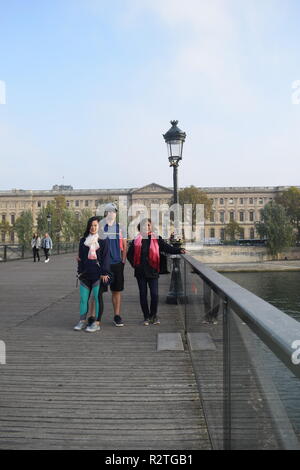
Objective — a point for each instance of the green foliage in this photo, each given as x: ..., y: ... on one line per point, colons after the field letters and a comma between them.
x: 74, y: 226
x: 275, y: 226
x: 290, y: 200
x: 24, y: 228
x: 65, y: 224
x: 232, y: 230
x: 194, y: 196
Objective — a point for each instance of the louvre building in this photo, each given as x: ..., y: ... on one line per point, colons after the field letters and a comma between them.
x: 242, y: 204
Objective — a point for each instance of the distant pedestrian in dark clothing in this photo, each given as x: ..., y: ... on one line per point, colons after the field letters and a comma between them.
x: 144, y: 256
x: 35, y: 245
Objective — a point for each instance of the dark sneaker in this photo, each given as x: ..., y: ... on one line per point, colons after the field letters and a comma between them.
x: 118, y: 320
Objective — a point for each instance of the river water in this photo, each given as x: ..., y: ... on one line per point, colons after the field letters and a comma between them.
x: 281, y: 289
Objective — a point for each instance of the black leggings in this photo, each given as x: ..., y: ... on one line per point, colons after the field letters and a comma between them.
x: 36, y: 253
x: 143, y: 284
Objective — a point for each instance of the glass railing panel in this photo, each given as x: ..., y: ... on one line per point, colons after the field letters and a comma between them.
x: 264, y: 395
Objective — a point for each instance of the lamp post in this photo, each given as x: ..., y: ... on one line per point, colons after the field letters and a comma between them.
x: 175, y: 139
x: 49, y: 223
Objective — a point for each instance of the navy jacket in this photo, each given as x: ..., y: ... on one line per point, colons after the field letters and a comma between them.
x: 94, y: 268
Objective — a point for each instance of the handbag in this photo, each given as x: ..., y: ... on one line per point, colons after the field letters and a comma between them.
x: 163, y: 264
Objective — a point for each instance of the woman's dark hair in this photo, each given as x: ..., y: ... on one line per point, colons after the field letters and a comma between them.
x: 89, y: 224
x: 143, y: 223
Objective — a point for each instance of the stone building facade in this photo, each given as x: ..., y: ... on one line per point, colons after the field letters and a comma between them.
x: 242, y: 204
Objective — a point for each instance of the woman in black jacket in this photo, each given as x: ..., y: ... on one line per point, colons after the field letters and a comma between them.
x: 93, y: 269
x: 144, y: 255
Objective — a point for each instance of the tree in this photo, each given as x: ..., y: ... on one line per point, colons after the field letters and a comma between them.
x: 24, y: 227
x: 57, y: 211
x: 74, y: 226
x: 275, y: 226
x: 232, y: 230
x: 290, y: 200
x: 5, y: 227
x: 194, y: 196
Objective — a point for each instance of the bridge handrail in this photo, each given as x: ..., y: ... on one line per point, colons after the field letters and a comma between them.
x: 275, y: 328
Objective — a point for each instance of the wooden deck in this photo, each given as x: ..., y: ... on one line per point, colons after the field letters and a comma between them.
x: 62, y: 389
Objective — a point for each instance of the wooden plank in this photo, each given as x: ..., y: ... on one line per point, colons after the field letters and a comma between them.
x: 66, y: 390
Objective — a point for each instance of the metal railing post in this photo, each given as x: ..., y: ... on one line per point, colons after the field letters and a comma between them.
x: 226, y: 377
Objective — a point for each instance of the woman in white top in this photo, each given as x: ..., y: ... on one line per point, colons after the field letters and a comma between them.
x: 36, y: 245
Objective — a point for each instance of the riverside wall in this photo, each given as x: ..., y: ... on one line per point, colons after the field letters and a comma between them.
x: 241, y: 254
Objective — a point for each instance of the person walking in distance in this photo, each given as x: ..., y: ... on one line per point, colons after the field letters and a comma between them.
x: 35, y: 245
x: 47, y: 245
x: 93, y: 270
x: 110, y: 229
x: 144, y: 256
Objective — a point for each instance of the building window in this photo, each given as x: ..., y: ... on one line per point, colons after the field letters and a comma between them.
x: 241, y: 200
x: 252, y: 233
x: 212, y: 233
x: 68, y: 203
x: 241, y: 216
x: 86, y: 203
x: 76, y: 203
x: 3, y: 218
x: 39, y: 204
x: 12, y: 219
x: 212, y: 217
x: 221, y: 201
x: 3, y: 237
x: 251, y: 216
x: 222, y: 233
x: 222, y: 217
x: 231, y: 216
x: 251, y: 200
x: 242, y: 233
x: 12, y: 237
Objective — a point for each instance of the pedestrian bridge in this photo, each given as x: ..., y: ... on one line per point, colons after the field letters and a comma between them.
x: 232, y: 382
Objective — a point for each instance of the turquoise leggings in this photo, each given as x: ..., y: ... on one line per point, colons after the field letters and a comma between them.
x: 86, y: 288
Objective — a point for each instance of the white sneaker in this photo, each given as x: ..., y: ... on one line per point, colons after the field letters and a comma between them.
x: 47, y: 260
x: 93, y: 328
x: 80, y: 326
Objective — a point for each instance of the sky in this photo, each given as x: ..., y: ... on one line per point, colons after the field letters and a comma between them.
x: 88, y: 87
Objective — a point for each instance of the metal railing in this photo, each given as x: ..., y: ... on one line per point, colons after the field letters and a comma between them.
x: 246, y: 358
x: 15, y: 252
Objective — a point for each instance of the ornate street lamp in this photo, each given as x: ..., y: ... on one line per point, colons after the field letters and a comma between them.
x: 175, y: 139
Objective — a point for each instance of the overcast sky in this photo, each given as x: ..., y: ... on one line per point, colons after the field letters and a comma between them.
x: 90, y: 86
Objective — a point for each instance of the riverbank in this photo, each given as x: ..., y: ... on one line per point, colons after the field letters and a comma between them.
x: 269, y: 266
